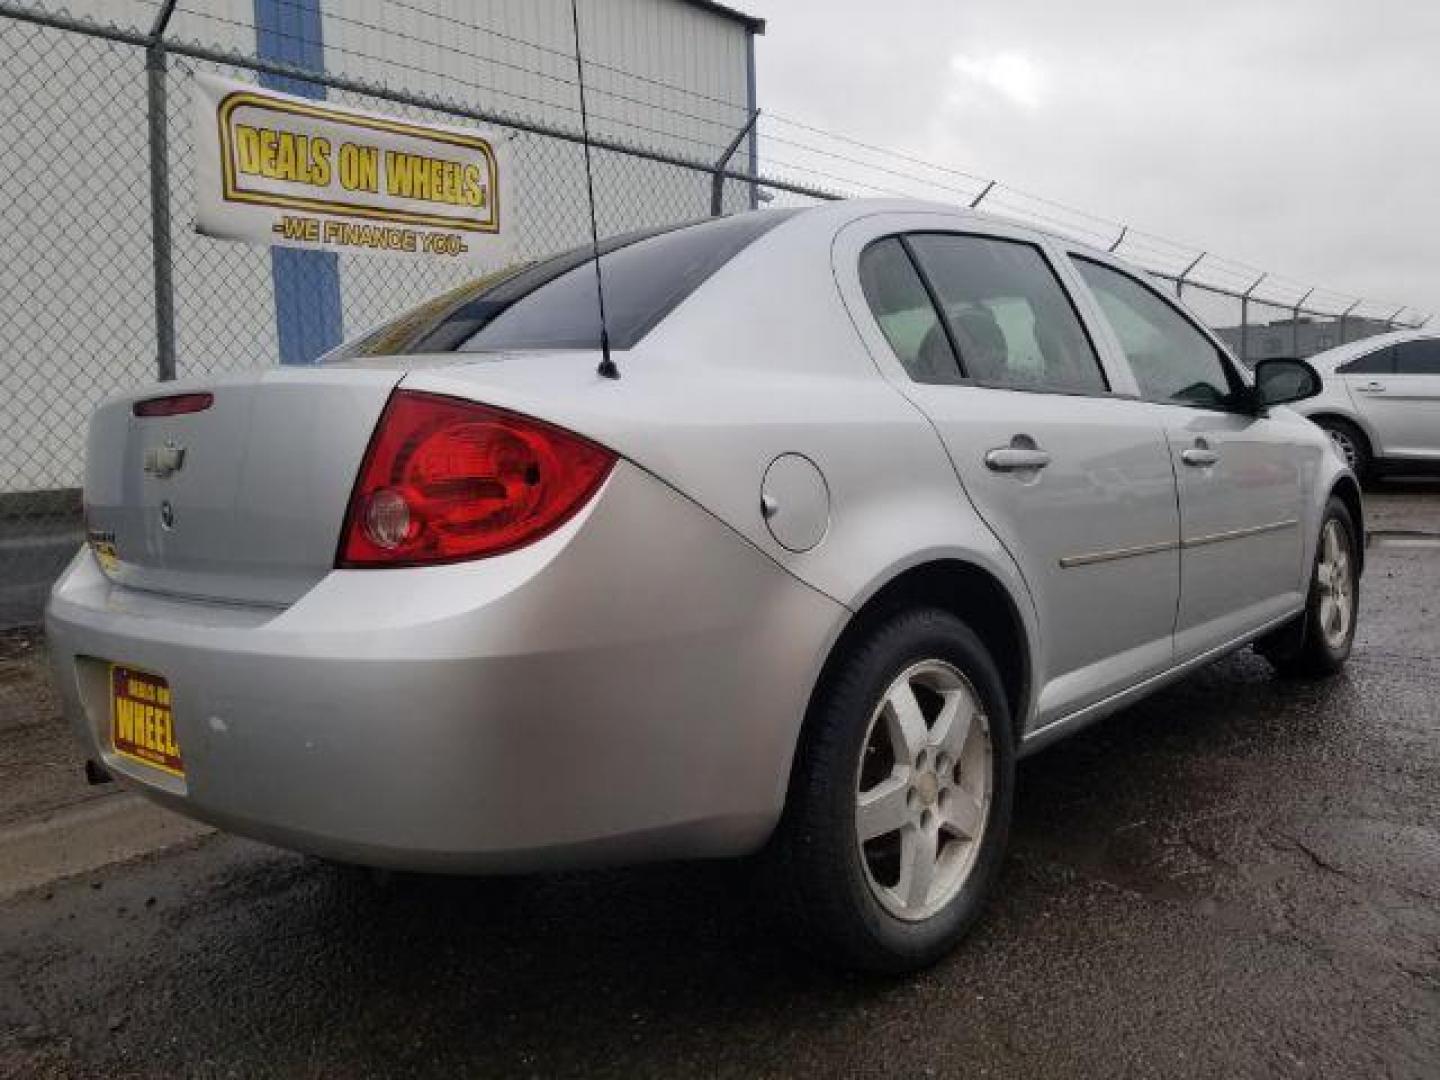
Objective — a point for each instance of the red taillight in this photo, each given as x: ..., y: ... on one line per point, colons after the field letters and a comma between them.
x: 173, y: 405
x: 445, y: 480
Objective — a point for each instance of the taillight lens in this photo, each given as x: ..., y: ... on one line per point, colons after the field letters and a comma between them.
x: 446, y: 480
x: 173, y: 405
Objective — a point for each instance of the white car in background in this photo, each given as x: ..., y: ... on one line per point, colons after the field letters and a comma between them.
x: 1381, y: 402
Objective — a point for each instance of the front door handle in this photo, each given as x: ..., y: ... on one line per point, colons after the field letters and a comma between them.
x: 1199, y: 456
x: 1016, y: 458
x: 1371, y: 388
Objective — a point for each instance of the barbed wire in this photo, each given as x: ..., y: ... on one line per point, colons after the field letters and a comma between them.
x: 847, y: 171
x: 1173, y: 256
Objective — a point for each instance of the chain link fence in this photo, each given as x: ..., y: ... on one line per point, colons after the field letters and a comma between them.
x: 107, y: 285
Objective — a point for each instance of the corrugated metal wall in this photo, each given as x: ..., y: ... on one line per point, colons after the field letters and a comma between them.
x: 659, y: 73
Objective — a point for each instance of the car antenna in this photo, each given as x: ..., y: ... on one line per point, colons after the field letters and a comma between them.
x: 607, y: 368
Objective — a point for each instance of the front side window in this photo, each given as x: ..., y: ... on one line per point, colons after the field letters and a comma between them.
x: 1379, y: 362
x: 1008, y: 316
x: 1418, y: 358
x: 1172, y: 360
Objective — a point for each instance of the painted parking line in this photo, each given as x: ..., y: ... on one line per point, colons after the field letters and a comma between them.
x: 82, y: 838
x: 1402, y: 538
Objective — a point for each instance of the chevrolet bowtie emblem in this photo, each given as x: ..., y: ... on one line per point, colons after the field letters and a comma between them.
x: 161, y: 461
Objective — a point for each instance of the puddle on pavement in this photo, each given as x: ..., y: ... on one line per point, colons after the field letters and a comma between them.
x: 1182, y: 862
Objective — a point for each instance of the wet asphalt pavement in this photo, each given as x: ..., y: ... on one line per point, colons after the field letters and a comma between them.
x: 1240, y: 876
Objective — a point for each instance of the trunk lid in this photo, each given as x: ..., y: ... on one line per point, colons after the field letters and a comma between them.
x: 252, y: 510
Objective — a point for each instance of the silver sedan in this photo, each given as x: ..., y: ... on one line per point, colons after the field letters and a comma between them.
x: 885, y: 496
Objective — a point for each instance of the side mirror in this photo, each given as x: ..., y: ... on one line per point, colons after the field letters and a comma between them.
x: 1279, y: 382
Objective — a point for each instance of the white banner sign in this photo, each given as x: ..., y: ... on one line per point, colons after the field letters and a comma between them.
x: 273, y: 168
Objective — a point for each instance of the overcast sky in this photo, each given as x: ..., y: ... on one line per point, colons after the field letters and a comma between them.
x: 1300, y: 136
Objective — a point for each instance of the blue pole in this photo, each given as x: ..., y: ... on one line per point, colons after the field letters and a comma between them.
x: 307, y: 283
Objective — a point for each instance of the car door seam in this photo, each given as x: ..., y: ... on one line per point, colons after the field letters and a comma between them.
x: 1179, y: 533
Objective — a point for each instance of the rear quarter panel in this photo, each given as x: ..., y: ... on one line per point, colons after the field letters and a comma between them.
x: 764, y: 360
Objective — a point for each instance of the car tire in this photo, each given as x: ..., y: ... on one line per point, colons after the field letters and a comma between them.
x: 1352, y: 445
x: 902, y: 899
x: 1319, y: 641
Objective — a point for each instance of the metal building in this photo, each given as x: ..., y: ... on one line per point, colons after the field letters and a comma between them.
x: 677, y: 76
x: 83, y: 191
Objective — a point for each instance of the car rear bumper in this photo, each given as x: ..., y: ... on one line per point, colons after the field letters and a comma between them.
x: 628, y: 688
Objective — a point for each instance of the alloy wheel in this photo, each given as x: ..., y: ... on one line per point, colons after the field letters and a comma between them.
x: 1335, y: 574
x: 923, y: 789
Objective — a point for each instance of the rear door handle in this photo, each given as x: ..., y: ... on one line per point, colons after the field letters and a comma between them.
x: 1199, y: 456
x: 1016, y: 458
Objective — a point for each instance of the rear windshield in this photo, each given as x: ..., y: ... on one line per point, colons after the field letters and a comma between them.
x: 552, y: 304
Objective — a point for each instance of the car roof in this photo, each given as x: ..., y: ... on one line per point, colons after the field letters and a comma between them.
x: 843, y: 211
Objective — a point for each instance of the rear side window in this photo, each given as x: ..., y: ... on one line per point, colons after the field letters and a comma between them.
x: 1379, y: 362
x: 1007, y: 315
x: 902, y: 307
x: 1172, y: 360
x: 1417, y: 358
x: 552, y: 304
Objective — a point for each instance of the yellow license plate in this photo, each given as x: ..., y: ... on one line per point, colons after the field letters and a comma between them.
x: 142, y: 727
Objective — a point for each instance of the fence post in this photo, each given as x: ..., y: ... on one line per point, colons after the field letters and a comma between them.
x: 717, y: 182
x: 1345, y: 315
x: 155, y: 74
x: 1245, y: 317
x: 1295, y: 324
x: 1180, y: 281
